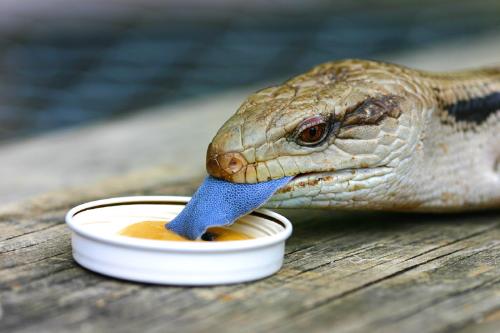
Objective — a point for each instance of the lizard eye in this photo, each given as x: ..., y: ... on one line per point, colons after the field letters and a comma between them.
x: 311, y: 131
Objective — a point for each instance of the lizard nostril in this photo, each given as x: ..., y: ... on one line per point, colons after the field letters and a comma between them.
x: 225, y: 165
x: 235, y: 165
x: 231, y: 162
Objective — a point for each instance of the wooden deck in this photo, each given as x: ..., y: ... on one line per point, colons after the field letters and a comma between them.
x: 342, y: 272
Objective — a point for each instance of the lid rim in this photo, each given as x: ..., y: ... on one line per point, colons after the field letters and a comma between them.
x: 169, y: 246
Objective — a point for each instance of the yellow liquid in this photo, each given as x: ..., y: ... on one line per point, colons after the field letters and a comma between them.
x: 156, y: 230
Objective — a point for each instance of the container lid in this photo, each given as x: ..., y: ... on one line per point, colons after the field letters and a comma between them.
x: 98, y: 246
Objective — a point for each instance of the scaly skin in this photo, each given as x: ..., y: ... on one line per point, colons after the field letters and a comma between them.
x: 399, y: 139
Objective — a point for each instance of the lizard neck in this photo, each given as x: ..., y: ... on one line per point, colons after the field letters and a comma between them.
x: 457, y: 160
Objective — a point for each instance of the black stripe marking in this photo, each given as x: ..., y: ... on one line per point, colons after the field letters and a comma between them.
x: 476, y: 109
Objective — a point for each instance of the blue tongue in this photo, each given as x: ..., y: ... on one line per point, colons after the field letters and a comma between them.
x: 218, y: 202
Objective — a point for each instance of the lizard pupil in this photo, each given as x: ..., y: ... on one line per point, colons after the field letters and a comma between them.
x: 313, y: 131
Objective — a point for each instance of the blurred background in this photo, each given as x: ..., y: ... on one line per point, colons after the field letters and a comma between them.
x: 66, y: 63
x: 79, y: 79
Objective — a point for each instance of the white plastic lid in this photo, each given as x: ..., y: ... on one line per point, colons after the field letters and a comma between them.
x: 98, y: 246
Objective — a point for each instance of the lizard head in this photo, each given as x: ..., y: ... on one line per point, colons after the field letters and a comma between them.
x: 343, y: 130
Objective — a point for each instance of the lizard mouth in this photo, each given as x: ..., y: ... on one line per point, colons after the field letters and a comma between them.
x: 307, y: 179
x: 316, y: 179
x: 318, y: 174
x: 304, y: 175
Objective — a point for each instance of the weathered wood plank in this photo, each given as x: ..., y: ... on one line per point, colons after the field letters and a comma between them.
x: 162, y: 136
x: 343, y: 272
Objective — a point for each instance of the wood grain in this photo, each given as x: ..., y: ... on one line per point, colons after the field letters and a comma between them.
x: 342, y: 273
